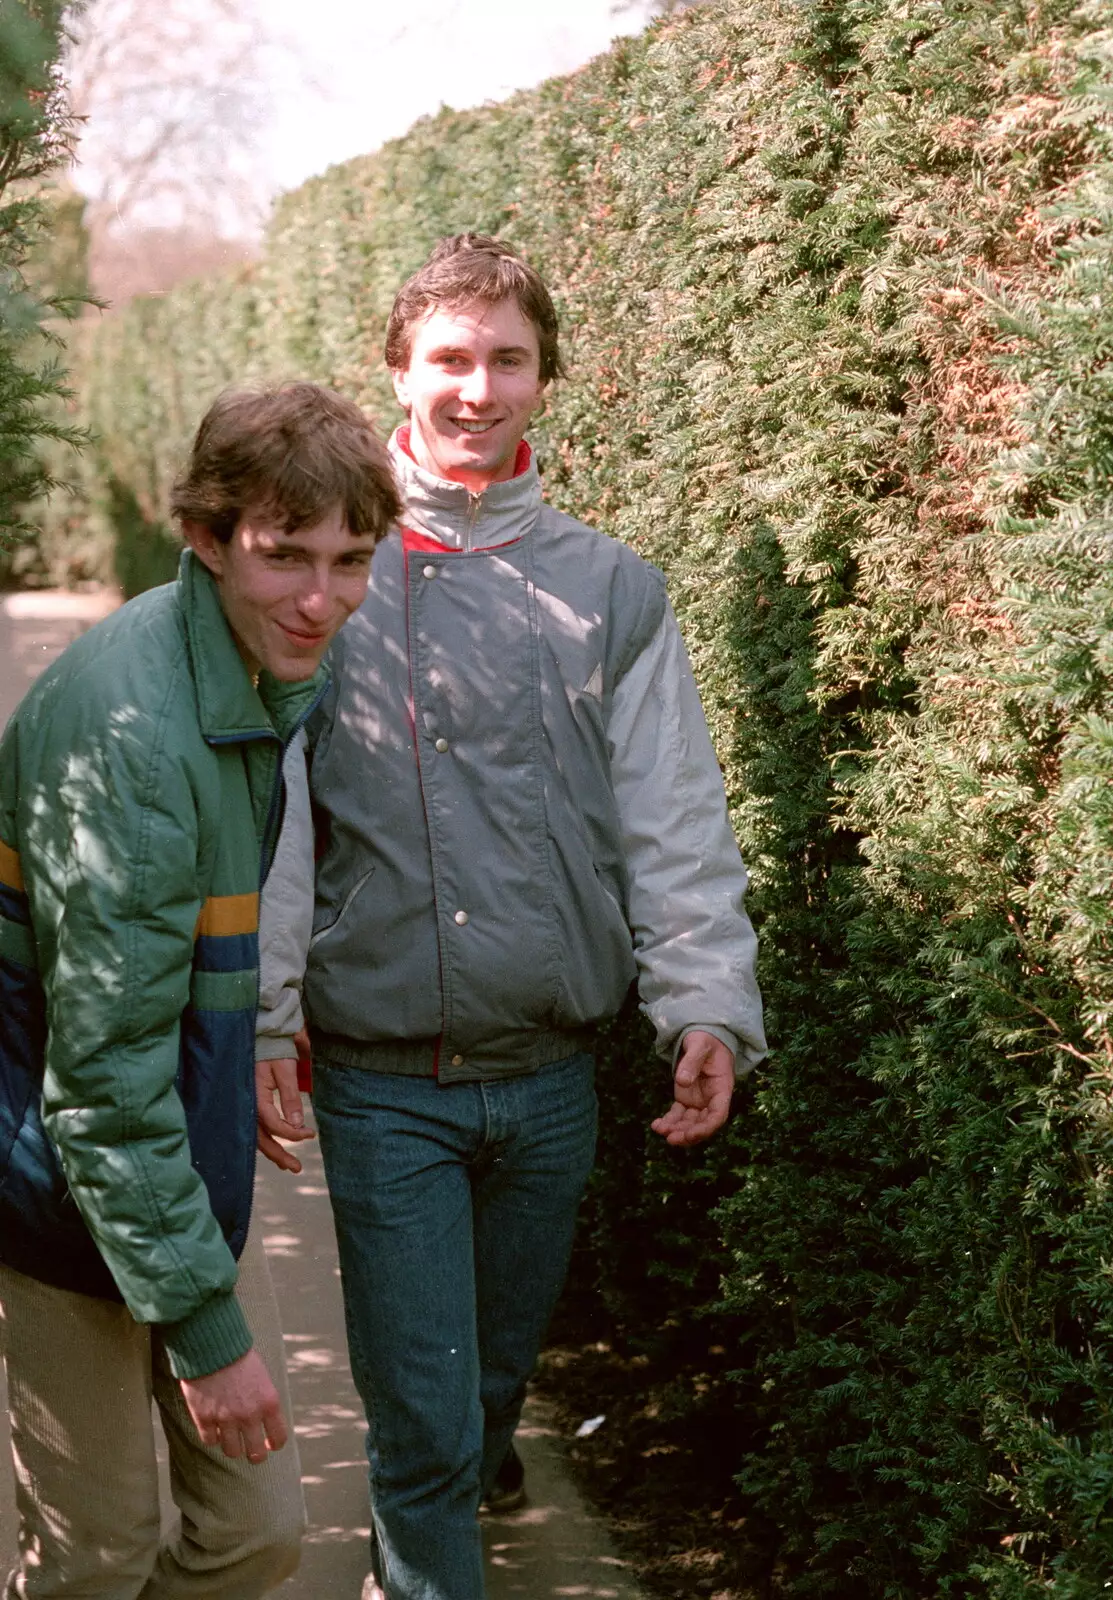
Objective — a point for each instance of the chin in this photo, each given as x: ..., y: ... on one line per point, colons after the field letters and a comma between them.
x: 293, y: 671
x: 481, y: 461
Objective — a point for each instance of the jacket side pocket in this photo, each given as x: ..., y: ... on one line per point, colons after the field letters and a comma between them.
x: 345, y: 906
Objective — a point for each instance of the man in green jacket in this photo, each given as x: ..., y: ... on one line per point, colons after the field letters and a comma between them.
x: 141, y: 795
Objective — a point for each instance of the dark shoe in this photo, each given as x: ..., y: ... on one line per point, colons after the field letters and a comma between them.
x: 508, y: 1492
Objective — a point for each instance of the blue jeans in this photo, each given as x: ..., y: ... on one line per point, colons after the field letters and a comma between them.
x: 455, y: 1207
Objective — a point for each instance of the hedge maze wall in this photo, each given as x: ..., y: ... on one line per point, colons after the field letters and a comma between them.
x: 836, y: 278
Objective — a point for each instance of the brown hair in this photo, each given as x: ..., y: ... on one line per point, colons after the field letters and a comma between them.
x: 292, y: 454
x: 469, y: 267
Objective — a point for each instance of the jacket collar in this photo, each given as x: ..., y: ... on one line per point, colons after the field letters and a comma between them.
x: 458, y: 519
x: 229, y: 705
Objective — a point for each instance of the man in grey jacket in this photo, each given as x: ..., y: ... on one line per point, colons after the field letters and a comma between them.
x: 520, y: 813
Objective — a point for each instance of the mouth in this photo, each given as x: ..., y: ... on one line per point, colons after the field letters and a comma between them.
x: 306, y: 641
x: 469, y: 425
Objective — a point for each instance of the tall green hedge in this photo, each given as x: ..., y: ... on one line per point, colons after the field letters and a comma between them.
x: 838, y: 288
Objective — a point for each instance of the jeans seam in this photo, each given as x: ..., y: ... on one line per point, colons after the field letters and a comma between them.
x: 486, y: 1141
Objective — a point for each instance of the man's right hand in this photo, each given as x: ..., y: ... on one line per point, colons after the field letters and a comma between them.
x: 284, y: 1120
x: 238, y: 1409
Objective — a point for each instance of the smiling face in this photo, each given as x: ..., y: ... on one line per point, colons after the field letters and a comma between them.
x: 471, y: 386
x: 285, y: 595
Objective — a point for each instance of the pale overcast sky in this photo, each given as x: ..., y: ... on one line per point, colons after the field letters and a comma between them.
x: 378, y: 65
x: 193, y: 119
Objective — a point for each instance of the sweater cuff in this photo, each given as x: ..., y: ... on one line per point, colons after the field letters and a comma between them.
x: 269, y: 1047
x: 213, y: 1336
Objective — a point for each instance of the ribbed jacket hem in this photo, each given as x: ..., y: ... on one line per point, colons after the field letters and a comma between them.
x: 418, y: 1058
x: 213, y: 1336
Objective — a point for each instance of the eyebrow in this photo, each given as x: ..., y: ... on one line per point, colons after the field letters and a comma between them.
x: 459, y: 350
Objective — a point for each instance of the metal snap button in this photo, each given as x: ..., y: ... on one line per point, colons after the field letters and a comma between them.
x: 441, y: 746
x: 429, y: 572
x: 461, y: 917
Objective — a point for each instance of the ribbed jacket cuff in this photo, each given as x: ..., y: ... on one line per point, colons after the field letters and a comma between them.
x: 269, y: 1047
x: 213, y: 1336
x: 723, y: 1035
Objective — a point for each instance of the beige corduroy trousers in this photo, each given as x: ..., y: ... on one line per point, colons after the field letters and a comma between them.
x: 82, y: 1375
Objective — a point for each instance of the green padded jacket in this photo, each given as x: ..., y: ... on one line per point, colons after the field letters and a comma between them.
x: 140, y: 799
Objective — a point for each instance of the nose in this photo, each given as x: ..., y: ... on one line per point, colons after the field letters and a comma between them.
x: 475, y: 389
x: 313, y: 597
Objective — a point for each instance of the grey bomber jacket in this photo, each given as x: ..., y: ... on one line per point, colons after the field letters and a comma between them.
x: 523, y: 810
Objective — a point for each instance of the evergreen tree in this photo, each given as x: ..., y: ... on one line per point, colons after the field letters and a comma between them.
x: 35, y: 137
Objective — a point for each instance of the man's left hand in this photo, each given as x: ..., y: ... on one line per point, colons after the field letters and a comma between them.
x: 703, y: 1084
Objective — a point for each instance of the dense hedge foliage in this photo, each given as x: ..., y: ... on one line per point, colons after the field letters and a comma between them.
x: 837, y: 283
x: 34, y: 139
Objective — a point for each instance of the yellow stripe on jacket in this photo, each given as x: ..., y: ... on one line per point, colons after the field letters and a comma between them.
x: 224, y: 914
x: 11, y: 875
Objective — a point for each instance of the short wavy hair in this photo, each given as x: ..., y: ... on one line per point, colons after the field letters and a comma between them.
x: 461, y: 270
x: 292, y: 454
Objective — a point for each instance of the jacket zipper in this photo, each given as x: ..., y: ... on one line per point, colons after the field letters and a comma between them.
x: 474, y: 503
x: 421, y: 789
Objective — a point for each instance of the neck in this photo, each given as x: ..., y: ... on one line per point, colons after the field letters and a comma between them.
x: 474, y: 482
x: 253, y: 667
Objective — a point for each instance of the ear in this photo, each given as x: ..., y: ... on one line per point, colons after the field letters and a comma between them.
x: 205, y: 545
x: 538, y: 399
x: 399, y: 377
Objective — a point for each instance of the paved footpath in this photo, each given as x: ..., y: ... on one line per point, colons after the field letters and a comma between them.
x: 554, y: 1547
